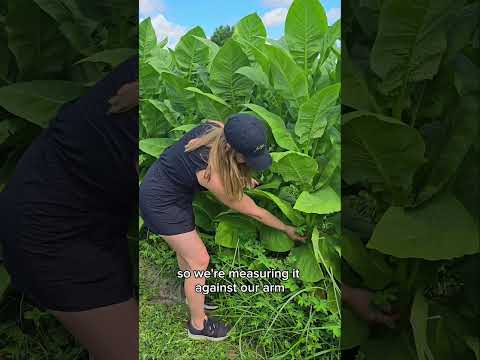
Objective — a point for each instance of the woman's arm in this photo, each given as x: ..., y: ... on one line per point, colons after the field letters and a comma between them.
x: 125, y: 99
x: 246, y: 206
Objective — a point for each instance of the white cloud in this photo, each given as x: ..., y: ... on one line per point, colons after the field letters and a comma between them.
x: 277, y: 3
x: 275, y: 17
x: 163, y: 28
x: 333, y: 15
x: 150, y: 7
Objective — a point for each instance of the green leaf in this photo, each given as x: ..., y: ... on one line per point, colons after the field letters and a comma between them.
x: 323, y: 201
x: 305, y: 26
x: 282, y: 136
x: 250, y: 29
x: 211, y: 106
x: 331, y: 36
x: 181, y: 99
x: 76, y: 27
x: 287, y: 77
x: 305, y: 262
x: 147, y: 38
x: 427, y: 232
x: 374, y: 271
x: 391, y: 347
x: 190, y: 53
x: 327, y: 252
x: 409, y: 50
x: 212, y: 47
x: 155, y: 146
x: 112, y: 57
x: 332, y: 164
x: 418, y: 320
x: 38, y: 101
x: 161, y: 60
x: 232, y: 229
x: 224, y: 79
x: 356, y: 91
x: 255, y: 74
x: 275, y: 240
x: 36, y: 57
x: 462, y: 135
x: 379, y: 149
x: 312, y: 118
x: 294, y: 216
x: 184, y: 128
x: 354, y: 330
x: 294, y: 166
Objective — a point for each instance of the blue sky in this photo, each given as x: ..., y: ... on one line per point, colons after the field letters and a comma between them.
x: 173, y: 18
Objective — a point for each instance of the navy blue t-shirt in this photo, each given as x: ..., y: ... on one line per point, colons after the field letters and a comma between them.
x: 180, y: 167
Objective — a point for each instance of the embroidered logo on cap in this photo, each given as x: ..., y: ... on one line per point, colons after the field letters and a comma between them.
x: 259, y: 147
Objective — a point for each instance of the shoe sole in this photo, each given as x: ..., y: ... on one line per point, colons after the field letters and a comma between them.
x: 203, y: 337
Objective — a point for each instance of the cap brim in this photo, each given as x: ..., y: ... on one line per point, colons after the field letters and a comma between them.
x: 260, y: 162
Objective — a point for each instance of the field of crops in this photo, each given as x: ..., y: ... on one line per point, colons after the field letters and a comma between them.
x: 410, y: 155
x: 293, y: 85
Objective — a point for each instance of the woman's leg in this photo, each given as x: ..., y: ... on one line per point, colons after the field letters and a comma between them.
x: 108, y: 333
x: 189, y: 246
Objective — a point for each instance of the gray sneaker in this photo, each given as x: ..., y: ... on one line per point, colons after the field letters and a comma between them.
x: 212, y: 330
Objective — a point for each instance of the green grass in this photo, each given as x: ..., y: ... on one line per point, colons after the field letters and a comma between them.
x: 162, y: 323
x: 282, y: 326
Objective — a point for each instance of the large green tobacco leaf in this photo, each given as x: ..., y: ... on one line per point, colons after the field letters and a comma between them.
x: 256, y: 74
x: 38, y: 101
x: 440, y: 229
x: 323, y: 201
x: 77, y: 28
x: 250, y: 29
x: 327, y: 251
x: 38, y: 52
x: 275, y: 240
x: 212, y: 47
x: 356, y: 91
x: 305, y: 262
x: 190, y: 53
x: 331, y: 36
x: 112, y: 57
x: 294, y: 216
x: 354, y: 330
x: 149, y: 80
x: 330, y: 167
x: 379, y: 149
x: 161, y: 60
x: 375, y: 272
x: 409, y: 50
x: 180, y: 98
x: 312, y: 121
x: 155, y: 146
x: 287, y: 77
x: 147, y: 39
x: 294, y: 166
x: 232, y: 229
x: 305, y: 27
x: 211, y: 106
x: 418, y: 320
x: 224, y: 80
x: 151, y: 112
x: 282, y: 136
x: 462, y: 135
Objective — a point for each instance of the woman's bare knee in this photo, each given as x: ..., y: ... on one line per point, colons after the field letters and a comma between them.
x: 199, y: 262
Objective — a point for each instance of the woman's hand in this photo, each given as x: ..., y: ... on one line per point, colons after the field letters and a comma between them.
x: 292, y: 234
x: 125, y: 99
x: 361, y: 302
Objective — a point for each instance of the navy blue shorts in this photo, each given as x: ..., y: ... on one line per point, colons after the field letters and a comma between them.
x: 164, y: 208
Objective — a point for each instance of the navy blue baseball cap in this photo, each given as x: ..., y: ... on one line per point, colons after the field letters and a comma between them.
x: 247, y: 135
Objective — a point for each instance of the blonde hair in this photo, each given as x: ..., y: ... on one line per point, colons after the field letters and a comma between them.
x: 222, y: 159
